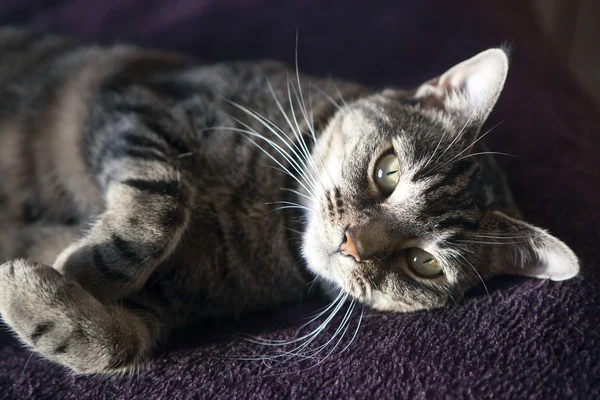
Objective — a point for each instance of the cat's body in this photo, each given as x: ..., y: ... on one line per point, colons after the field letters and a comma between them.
x: 157, y: 176
x: 78, y: 104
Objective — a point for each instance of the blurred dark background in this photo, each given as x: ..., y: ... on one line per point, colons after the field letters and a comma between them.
x: 574, y: 28
x: 571, y: 26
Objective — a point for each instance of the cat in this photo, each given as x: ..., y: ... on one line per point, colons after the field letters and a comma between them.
x: 143, y: 191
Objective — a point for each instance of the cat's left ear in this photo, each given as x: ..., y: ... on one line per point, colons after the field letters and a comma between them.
x: 519, y: 248
x: 469, y: 90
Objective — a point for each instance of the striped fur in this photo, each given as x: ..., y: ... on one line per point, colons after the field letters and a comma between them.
x: 138, y: 195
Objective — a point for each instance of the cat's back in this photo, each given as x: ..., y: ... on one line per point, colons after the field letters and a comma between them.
x: 48, y: 86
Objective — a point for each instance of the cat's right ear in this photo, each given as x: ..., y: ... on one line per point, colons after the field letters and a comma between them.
x: 469, y: 90
x: 519, y: 248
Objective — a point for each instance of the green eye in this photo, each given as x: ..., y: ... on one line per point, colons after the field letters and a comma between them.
x: 423, y: 263
x: 387, y: 173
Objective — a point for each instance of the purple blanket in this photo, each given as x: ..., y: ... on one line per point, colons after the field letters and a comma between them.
x: 525, y: 339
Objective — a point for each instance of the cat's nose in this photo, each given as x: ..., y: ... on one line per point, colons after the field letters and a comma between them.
x: 348, y: 247
x: 373, y: 241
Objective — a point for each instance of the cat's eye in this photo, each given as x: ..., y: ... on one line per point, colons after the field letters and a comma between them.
x: 423, y: 263
x: 387, y: 173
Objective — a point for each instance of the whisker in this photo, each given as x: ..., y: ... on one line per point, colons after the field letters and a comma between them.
x: 283, y: 168
x: 487, y: 152
x: 477, y: 272
x: 362, y: 312
x: 288, y: 207
x: 314, y: 137
x: 270, y: 342
x: 312, y: 286
x: 499, y: 237
x: 265, y: 122
x: 460, y: 132
x: 308, y: 179
x: 344, y: 325
x: 319, y: 329
x: 302, y: 104
x: 298, y: 133
x: 289, y: 204
x: 484, y: 242
x: 472, y: 144
x: 297, y: 193
x: 331, y: 99
x: 302, y: 145
x: 458, y: 135
x: 338, y: 92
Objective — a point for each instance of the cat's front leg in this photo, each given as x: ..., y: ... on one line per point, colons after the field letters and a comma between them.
x: 56, y: 317
x: 148, y: 208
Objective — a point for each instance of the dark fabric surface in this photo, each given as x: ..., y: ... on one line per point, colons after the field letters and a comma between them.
x: 526, y: 339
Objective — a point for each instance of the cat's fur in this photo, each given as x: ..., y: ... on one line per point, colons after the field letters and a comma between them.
x: 141, y: 191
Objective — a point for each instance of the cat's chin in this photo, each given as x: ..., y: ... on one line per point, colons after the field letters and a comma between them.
x: 376, y: 300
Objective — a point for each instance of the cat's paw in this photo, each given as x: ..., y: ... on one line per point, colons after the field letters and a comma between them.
x: 64, y: 323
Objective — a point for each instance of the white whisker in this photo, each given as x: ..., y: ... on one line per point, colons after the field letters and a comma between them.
x: 314, y: 137
x: 331, y: 99
x: 460, y: 133
x: 283, y: 168
x: 487, y: 152
x: 362, y: 312
x: 307, y: 178
x: 265, y: 122
x: 472, y: 144
x: 301, y: 143
x: 297, y: 193
x: 477, y: 272
x: 339, y: 93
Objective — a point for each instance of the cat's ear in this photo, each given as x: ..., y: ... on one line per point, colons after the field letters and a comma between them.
x: 519, y: 248
x: 469, y: 90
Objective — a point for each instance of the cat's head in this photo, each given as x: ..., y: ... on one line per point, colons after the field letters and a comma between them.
x: 407, y: 215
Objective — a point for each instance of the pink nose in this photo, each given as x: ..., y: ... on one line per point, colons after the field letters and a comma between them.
x: 348, y: 247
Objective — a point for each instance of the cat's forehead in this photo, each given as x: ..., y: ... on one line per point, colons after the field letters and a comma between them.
x: 394, y: 120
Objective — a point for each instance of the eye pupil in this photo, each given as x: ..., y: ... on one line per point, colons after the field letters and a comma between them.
x: 423, y: 264
x: 387, y: 173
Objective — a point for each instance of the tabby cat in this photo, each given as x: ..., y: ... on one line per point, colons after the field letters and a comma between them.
x: 142, y: 191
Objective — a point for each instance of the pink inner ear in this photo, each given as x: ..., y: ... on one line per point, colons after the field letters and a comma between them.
x: 469, y: 89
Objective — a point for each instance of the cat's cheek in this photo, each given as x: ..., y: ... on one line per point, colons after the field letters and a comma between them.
x: 382, y: 302
x: 316, y: 253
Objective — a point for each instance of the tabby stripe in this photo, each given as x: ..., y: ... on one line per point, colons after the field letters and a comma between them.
x: 125, y: 146
x: 40, y: 330
x: 141, y: 141
x: 62, y: 348
x: 114, y: 150
x: 420, y: 287
x: 330, y: 207
x: 152, y: 124
x: 174, y: 90
x: 139, y: 109
x: 457, y: 222
x: 149, y: 116
x: 162, y: 187
x: 109, y: 273
x: 126, y: 250
x: 145, y: 154
x: 142, y: 308
x: 338, y: 201
x: 461, y: 171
